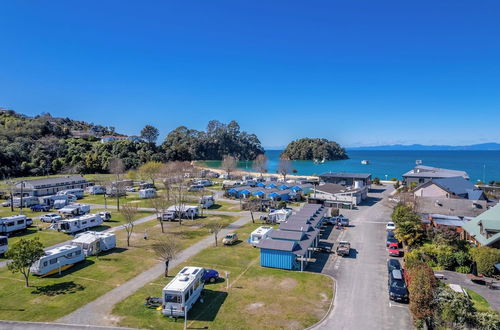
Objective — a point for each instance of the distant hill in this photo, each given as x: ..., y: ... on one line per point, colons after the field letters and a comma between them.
x: 480, y: 147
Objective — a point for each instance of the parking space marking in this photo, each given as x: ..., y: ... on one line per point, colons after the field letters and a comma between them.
x: 400, y: 306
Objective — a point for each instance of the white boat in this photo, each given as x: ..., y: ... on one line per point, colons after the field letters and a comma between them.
x: 365, y: 162
x: 418, y: 162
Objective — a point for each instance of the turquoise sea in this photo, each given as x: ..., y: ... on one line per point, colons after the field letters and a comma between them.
x: 481, y: 165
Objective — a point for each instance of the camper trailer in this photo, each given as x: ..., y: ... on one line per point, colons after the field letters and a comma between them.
x: 96, y: 190
x: 57, y: 259
x: 186, y: 212
x: 206, y: 202
x: 94, y: 242
x: 28, y: 201
x: 12, y: 224
x: 70, y: 226
x: 4, y: 245
x: 280, y: 215
x: 73, y: 210
x: 55, y: 201
x: 77, y: 192
x: 259, y: 234
x: 182, y: 292
x: 147, y: 193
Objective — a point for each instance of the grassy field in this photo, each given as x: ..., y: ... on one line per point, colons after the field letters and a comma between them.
x: 479, y: 302
x: 53, y: 297
x: 259, y: 298
x: 225, y: 206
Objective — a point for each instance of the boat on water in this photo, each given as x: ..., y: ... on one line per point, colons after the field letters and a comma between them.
x: 365, y: 162
x: 418, y: 162
x: 317, y: 161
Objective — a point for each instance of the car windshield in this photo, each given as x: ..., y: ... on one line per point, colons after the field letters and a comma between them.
x: 229, y: 236
x: 398, y: 284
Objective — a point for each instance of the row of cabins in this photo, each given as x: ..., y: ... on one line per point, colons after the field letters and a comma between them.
x: 292, y: 244
x: 277, y: 192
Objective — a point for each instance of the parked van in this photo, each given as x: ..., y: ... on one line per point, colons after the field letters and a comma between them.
x: 94, y: 242
x: 147, y: 193
x: 71, y: 226
x: 12, y: 224
x: 79, y: 193
x: 4, y: 245
x: 259, y: 234
x: 182, y: 292
x: 207, y: 202
x: 96, y: 190
x: 57, y: 259
x: 74, y: 210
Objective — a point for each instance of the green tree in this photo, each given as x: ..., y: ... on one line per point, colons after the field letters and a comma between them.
x: 150, y: 170
x: 150, y: 134
x: 23, y: 255
x: 485, y: 259
x: 454, y: 310
x: 310, y: 149
x: 421, y: 287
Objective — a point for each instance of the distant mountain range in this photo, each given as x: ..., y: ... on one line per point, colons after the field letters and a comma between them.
x: 482, y: 146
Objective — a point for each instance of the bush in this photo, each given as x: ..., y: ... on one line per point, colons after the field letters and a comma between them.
x: 485, y: 259
x: 454, y: 310
x: 394, y: 179
x: 463, y: 269
x: 445, y: 259
x: 462, y: 258
x: 376, y: 181
x: 488, y: 320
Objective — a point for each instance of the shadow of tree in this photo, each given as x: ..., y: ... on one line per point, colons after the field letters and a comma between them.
x: 58, y: 289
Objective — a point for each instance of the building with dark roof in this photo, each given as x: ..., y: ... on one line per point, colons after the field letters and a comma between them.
x: 452, y: 187
x: 333, y: 192
x: 421, y: 174
x: 50, y: 186
x: 347, y: 179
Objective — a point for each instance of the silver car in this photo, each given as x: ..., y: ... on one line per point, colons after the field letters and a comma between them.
x: 51, y: 217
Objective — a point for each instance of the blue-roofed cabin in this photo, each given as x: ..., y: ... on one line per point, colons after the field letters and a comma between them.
x: 271, y: 186
x: 259, y: 194
x: 261, y: 184
x: 283, y: 187
x: 245, y: 193
x: 278, y: 196
x: 232, y: 192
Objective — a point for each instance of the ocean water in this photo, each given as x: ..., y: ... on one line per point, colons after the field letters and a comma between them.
x: 480, y: 165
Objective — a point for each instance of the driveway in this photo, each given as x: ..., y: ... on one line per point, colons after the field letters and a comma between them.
x: 361, y: 299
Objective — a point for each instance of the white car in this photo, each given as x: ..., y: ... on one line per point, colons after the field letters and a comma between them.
x: 51, y: 217
x: 390, y: 226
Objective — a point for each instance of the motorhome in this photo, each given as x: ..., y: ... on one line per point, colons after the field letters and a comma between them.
x: 79, y: 193
x: 204, y: 182
x: 96, y: 190
x: 182, y: 292
x: 55, y: 201
x: 94, y: 242
x: 74, y: 210
x: 259, y: 234
x: 71, y: 226
x: 186, y: 212
x: 147, y: 193
x: 57, y: 259
x: 12, y: 224
x: 280, y: 215
x: 4, y: 245
x: 207, y: 202
x: 27, y: 201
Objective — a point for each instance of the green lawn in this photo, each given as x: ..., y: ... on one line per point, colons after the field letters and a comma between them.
x: 259, y: 298
x: 225, y: 206
x: 53, y: 297
x: 479, y: 302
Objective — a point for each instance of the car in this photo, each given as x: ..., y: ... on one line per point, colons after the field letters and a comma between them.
x: 390, y: 226
x: 393, y: 264
x: 391, y: 238
x: 105, y: 215
x: 6, y: 204
x: 210, y: 276
x: 40, y: 208
x: 130, y: 189
x: 394, y: 249
x: 51, y: 217
x: 397, y: 286
x: 230, y: 239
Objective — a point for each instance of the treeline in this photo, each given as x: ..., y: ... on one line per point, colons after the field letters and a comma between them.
x: 43, y: 145
x: 314, y: 149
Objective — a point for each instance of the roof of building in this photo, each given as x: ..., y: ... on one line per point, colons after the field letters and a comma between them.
x: 55, y: 180
x: 451, y: 206
x: 275, y: 244
x: 346, y: 175
x: 332, y: 188
x: 422, y: 171
x: 287, y: 235
x: 452, y: 223
x: 485, y: 228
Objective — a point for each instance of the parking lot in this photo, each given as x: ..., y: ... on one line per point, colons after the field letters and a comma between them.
x: 362, y: 300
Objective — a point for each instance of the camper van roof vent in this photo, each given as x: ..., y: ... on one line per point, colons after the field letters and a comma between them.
x: 184, y: 279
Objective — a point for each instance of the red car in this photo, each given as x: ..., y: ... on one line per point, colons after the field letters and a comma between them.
x: 394, y: 250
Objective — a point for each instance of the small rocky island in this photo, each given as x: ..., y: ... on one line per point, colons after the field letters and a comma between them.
x: 318, y: 150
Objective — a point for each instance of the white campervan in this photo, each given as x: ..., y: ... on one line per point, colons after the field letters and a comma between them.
x: 280, y: 215
x: 182, y: 292
x: 96, y: 190
x: 57, y: 259
x: 28, y: 201
x: 12, y: 224
x: 79, y: 193
x: 4, y: 245
x: 147, y: 193
x: 74, y: 210
x: 186, y: 212
x: 70, y: 226
x: 206, y: 202
x: 94, y: 242
x: 259, y: 234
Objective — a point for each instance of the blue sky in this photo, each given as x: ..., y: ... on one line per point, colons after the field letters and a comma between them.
x: 358, y: 72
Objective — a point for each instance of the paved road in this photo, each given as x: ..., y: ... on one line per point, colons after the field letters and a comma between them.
x: 361, y: 300
x: 13, y: 325
x: 98, y: 312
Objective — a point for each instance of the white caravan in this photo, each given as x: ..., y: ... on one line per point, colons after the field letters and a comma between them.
x: 206, y: 202
x: 259, y: 234
x: 4, y: 245
x: 79, y: 193
x: 96, y: 190
x: 94, y: 242
x: 28, y: 201
x: 74, y: 210
x: 280, y: 215
x: 147, y: 193
x: 57, y: 259
x: 186, y: 212
x: 182, y: 292
x: 12, y: 224
x: 70, y: 226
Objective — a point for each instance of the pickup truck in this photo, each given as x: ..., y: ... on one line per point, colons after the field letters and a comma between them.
x: 343, y: 248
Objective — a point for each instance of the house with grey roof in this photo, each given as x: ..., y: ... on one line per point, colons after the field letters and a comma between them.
x: 452, y: 187
x: 50, y: 186
x: 484, y: 230
x: 421, y: 174
x: 347, y: 179
x: 333, y: 192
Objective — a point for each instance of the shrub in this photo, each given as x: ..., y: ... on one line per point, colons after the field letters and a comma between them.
x: 421, y: 286
x: 376, y: 181
x: 394, y: 179
x: 485, y: 259
x: 445, y: 259
x: 463, y: 269
x: 462, y: 258
x: 454, y: 310
x: 488, y: 320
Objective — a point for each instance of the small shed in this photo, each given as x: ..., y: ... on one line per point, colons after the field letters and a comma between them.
x: 279, y: 254
x: 283, y: 187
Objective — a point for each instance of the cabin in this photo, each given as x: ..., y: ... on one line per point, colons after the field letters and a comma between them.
x: 71, y: 226
x: 259, y: 234
x: 58, y: 259
x: 422, y: 174
x: 180, y: 294
x: 13, y: 224
x: 50, y: 186
x: 147, y: 193
x: 94, y: 242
